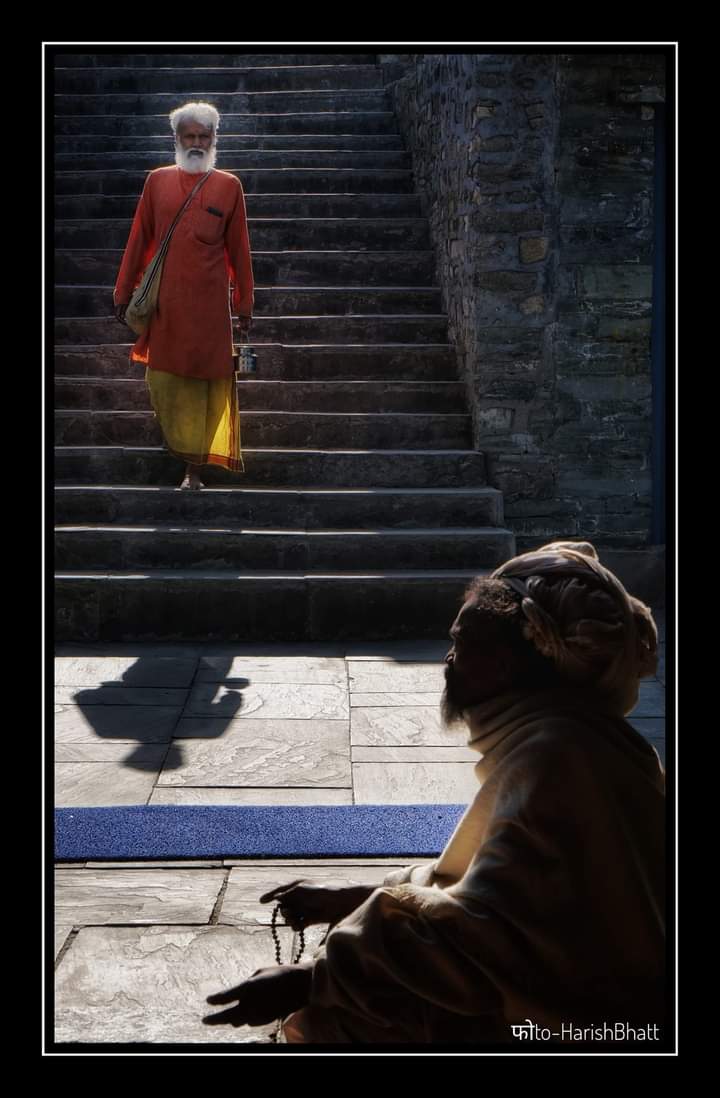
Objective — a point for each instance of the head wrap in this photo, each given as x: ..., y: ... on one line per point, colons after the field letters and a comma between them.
x: 580, y: 616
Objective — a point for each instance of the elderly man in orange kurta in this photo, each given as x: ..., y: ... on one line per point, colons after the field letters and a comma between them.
x: 187, y: 348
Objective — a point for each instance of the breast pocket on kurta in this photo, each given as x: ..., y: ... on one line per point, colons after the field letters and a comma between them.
x: 209, y: 224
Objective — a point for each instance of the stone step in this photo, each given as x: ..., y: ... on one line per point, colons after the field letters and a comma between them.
x: 374, y: 99
x: 274, y: 234
x: 241, y: 159
x: 259, y: 122
x: 283, y: 429
x: 292, y: 329
x: 209, y: 80
x: 99, y: 59
x: 254, y: 180
x: 162, y: 143
x: 408, y: 508
x: 280, y: 396
x: 278, y: 468
x: 280, y: 606
x: 118, y: 207
x: 354, y: 362
x: 118, y: 549
x: 99, y: 266
x: 354, y: 300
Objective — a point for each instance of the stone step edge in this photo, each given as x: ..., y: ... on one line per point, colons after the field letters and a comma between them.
x: 329, y: 348
x: 321, y: 492
x: 289, y: 531
x: 225, y: 576
x: 259, y: 381
x: 102, y: 288
x: 145, y: 69
x: 302, y: 316
x: 63, y: 412
x: 244, y: 169
x: 284, y: 450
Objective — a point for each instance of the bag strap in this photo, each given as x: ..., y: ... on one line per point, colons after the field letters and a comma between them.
x: 159, y: 256
x: 186, y: 203
x: 164, y: 246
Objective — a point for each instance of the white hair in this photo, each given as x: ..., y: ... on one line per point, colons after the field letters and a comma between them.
x: 203, y: 113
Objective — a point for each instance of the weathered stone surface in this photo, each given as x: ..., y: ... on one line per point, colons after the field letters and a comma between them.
x: 271, y: 701
x: 578, y: 172
x: 84, y: 896
x: 371, y: 677
x: 385, y: 699
x: 118, y: 695
x: 241, y: 903
x: 124, y: 671
x: 274, y: 795
x: 405, y: 755
x: 86, y: 724
x: 273, y: 669
x: 414, y: 783
x: 62, y: 933
x: 97, y: 784
x: 262, y: 753
x: 404, y: 726
x: 109, y: 983
x: 533, y: 248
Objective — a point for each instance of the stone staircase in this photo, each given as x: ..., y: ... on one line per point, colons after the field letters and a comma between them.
x: 363, y: 511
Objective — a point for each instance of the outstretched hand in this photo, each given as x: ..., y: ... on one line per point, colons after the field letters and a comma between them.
x: 270, y: 993
x: 304, y: 903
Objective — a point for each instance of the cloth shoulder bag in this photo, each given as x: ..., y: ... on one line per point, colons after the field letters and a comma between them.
x: 144, y: 299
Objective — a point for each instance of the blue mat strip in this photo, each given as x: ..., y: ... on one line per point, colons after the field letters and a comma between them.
x: 213, y: 831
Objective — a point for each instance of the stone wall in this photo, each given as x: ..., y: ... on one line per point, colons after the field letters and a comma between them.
x: 535, y: 171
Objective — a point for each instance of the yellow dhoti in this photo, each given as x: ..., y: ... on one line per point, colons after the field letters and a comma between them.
x: 199, y: 418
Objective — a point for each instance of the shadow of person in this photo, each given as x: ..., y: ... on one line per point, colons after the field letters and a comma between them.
x: 145, y: 706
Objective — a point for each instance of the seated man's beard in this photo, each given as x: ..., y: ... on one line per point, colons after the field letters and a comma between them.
x: 452, y: 704
x: 195, y: 160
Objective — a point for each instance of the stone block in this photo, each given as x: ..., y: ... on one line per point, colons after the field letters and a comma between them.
x: 85, y: 897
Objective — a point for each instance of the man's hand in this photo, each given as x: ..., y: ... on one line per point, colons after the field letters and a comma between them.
x: 303, y: 903
x: 270, y: 993
x: 120, y: 311
x: 243, y: 324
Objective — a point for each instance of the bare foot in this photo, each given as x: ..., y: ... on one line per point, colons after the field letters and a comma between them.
x: 192, y: 481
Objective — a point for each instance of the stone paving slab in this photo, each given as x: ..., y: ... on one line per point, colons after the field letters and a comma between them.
x: 411, y: 698
x: 150, y: 755
x: 409, y: 726
x: 271, y: 701
x: 423, y: 651
x: 414, y: 783
x: 383, y: 677
x: 414, y: 754
x: 149, y: 984
x: 96, y: 896
x: 118, y: 695
x: 268, y: 797
x: 246, y: 884
x: 62, y: 933
x: 321, y: 863
x: 95, y: 784
x: 88, y: 723
x: 274, y: 669
x: 263, y: 752
x: 184, y: 863
x: 142, y: 670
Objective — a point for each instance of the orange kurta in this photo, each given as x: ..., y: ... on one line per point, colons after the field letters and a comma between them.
x: 190, y: 333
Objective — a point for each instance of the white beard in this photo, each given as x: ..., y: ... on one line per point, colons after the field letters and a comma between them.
x: 195, y: 164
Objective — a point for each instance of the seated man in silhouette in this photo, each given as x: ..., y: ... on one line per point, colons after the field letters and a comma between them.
x: 547, y: 903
